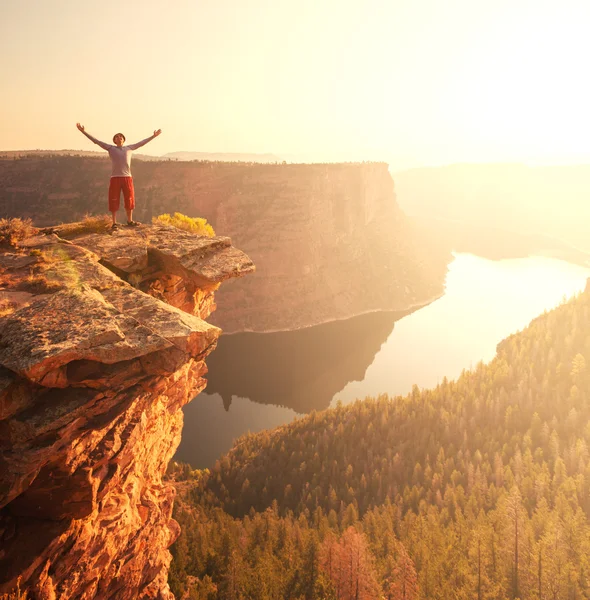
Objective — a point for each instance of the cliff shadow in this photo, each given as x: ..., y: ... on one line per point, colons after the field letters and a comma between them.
x: 301, y: 369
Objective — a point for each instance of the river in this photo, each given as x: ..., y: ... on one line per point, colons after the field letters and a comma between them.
x: 259, y: 381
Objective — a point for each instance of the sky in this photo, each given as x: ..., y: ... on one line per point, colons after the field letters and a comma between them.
x: 411, y: 82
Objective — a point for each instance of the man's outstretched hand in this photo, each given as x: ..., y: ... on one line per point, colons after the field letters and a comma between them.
x: 157, y: 132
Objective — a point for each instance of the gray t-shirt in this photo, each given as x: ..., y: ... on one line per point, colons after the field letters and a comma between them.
x: 120, y: 157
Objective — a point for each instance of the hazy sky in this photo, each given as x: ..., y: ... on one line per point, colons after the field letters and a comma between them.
x: 412, y: 82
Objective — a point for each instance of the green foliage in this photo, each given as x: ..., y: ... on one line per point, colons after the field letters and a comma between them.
x: 196, y: 225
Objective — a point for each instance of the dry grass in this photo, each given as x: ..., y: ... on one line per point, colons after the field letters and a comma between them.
x: 196, y: 225
x: 13, y: 231
x: 38, y: 283
x: 90, y: 224
x: 45, y: 257
x: 6, y: 307
x: 5, y: 279
x: 44, y: 276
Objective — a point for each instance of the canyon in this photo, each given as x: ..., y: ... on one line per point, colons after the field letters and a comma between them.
x: 103, y: 339
x: 329, y: 240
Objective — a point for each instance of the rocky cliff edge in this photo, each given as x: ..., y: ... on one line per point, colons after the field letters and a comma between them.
x: 102, y: 341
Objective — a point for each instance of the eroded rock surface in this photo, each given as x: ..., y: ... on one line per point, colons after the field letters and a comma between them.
x: 102, y: 341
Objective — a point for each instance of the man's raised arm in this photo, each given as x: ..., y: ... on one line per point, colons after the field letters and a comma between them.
x: 103, y: 145
x: 144, y: 142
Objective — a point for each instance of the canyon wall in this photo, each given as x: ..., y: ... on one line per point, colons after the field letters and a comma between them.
x: 329, y: 240
x: 102, y: 341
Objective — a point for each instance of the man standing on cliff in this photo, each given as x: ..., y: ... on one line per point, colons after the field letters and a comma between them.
x: 121, y: 180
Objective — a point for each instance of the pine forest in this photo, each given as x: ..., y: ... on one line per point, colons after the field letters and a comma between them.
x: 477, y: 489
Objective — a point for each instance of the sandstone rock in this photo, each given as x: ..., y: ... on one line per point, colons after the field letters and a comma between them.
x: 207, y: 260
x: 10, y: 261
x: 123, y: 249
x: 39, y: 241
x: 67, y: 326
x: 15, y: 393
x: 187, y: 332
x: 15, y: 300
x: 93, y: 375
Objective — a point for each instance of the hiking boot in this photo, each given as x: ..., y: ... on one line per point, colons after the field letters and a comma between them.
x: 133, y: 223
x: 115, y: 226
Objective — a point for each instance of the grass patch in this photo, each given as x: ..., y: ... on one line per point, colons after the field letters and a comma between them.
x: 40, y: 279
x: 44, y: 257
x: 196, y: 225
x: 90, y: 224
x: 38, y: 283
x: 13, y: 231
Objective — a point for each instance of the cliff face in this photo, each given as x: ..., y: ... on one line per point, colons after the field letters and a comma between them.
x: 102, y: 341
x: 329, y: 240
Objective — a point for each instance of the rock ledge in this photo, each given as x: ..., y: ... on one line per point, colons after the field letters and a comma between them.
x: 102, y: 341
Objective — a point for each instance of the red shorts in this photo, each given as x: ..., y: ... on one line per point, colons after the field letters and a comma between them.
x: 118, y: 185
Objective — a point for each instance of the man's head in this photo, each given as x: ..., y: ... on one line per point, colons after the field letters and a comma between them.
x: 119, y: 139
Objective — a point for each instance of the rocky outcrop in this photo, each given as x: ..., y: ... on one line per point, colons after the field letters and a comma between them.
x: 329, y: 240
x: 102, y: 341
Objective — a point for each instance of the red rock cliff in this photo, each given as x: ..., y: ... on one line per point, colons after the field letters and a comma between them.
x: 102, y: 341
x: 329, y: 240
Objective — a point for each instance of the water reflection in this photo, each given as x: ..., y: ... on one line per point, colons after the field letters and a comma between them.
x: 209, y: 430
x: 258, y: 381
x: 301, y: 370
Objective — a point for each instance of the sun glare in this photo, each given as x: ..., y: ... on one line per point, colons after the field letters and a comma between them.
x: 424, y: 82
x: 519, y: 91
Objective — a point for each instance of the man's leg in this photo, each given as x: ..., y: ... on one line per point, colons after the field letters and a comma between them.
x: 114, y: 197
x: 129, y: 196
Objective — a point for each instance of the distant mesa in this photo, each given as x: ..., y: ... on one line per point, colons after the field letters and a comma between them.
x: 249, y: 157
x: 224, y: 156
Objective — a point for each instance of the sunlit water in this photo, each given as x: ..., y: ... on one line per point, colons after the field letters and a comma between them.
x: 484, y: 302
